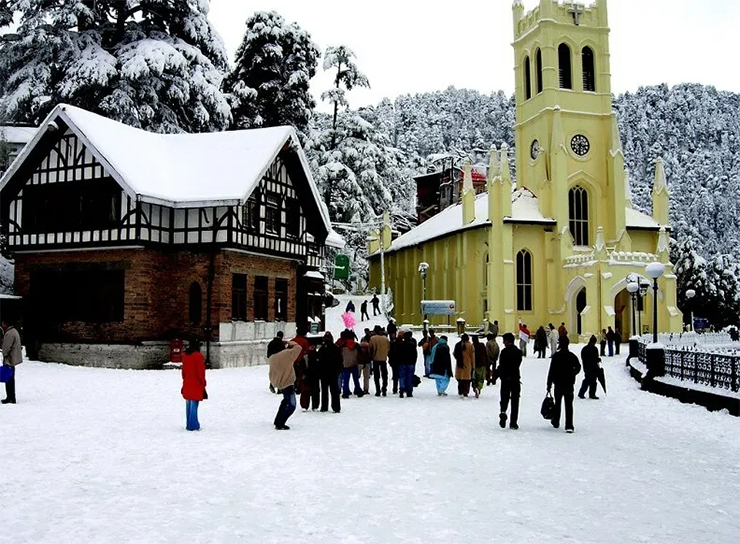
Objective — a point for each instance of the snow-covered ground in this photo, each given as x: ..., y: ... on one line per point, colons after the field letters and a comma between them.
x: 95, y: 455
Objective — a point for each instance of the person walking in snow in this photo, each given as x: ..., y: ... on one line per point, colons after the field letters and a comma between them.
x: 394, y: 354
x: 540, y: 342
x: 611, y: 338
x: 391, y: 328
x: 193, y: 383
x: 379, y: 348
x: 552, y: 338
x: 365, y: 362
x: 562, y: 331
x: 493, y: 328
x: 602, y: 342
x: 12, y: 357
x: 350, y: 307
x: 427, y: 344
x: 329, y: 369
x: 363, y: 311
x: 465, y: 365
x: 591, y: 360
x: 299, y: 363
x: 275, y: 345
x: 310, y: 392
x: 564, y: 367
x: 508, y: 371
x: 350, y: 361
x: 524, y: 336
x: 407, y: 364
x: 493, y: 350
x: 376, y: 305
x: 282, y: 376
x: 481, y: 366
x: 441, y: 366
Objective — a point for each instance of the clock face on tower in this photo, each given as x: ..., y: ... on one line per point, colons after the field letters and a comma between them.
x: 534, y: 150
x: 580, y: 145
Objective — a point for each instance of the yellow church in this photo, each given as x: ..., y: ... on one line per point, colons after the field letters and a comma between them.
x: 559, y: 245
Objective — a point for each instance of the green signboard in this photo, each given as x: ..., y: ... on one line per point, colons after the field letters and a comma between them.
x: 341, y: 267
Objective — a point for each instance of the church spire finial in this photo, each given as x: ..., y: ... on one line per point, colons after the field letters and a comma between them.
x: 660, y: 184
x: 616, y: 145
x: 494, y: 168
x: 505, y: 170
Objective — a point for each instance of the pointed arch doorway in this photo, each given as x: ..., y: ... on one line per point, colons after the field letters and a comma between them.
x: 576, y: 299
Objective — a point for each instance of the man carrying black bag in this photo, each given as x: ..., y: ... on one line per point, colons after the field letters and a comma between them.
x: 508, y: 372
x: 564, y: 367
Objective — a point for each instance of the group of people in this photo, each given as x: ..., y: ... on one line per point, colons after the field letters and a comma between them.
x: 363, y: 308
x: 335, y: 370
x: 543, y: 338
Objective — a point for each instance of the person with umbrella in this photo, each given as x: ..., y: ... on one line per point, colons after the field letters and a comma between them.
x: 591, y: 359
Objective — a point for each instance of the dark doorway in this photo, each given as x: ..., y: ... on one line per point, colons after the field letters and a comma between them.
x: 580, y: 306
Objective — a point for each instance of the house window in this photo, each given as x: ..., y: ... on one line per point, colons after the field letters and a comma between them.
x: 260, y: 298
x: 196, y: 303
x: 578, y: 215
x: 72, y: 206
x: 272, y: 213
x: 90, y: 296
x: 281, y: 299
x: 293, y: 219
x: 251, y: 217
x: 527, y: 79
x: 589, y: 76
x: 539, y: 71
x: 524, y: 281
x: 239, y: 297
x: 566, y: 76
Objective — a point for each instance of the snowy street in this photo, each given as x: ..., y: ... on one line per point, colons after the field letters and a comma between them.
x: 93, y: 455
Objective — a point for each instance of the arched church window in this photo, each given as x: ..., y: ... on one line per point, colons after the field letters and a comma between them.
x: 566, y: 73
x: 578, y: 215
x: 589, y: 76
x: 524, y: 281
x: 196, y: 303
x: 527, y: 79
x: 538, y: 61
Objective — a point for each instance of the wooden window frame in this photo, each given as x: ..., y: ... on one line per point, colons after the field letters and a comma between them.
x: 260, y: 297
x: 578, y: 215
x: 565, y: 66
x: 239, y: 297
x: 524, y: 282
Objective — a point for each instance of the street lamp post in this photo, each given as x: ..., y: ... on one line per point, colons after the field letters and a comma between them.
x: 423, y: 267
x: 644, y: 287
x: 689, y: 295
x: 655, y: 352
x: 654, y: 271
x: 633, y: 287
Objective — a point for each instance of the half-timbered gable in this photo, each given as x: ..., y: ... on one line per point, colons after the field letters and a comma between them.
x: 152, y: 236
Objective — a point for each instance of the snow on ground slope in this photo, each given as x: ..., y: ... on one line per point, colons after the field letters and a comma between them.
x: 96, y: 455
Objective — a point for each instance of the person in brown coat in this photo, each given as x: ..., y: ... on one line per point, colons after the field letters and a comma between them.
x: 12, y: 357
x: 465, y: 365
x: 379, y: 348
x: 282, y: 376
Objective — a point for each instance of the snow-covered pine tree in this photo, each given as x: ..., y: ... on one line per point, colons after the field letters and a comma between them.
x: 153, y: 64
x: 269, y: 86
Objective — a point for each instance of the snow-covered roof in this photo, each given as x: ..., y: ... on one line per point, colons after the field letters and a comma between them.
x: 639, y: 220
x: 524, y: 209
x: 17, y: 135
x: 178, y: 170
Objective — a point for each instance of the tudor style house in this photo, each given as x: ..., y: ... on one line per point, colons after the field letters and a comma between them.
x: 124, y: 240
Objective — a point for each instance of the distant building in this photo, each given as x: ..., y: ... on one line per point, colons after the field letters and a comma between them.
x: 15, y: 138
x: 125, y: 239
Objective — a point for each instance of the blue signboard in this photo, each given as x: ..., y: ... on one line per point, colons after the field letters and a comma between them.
x: 438, y: 307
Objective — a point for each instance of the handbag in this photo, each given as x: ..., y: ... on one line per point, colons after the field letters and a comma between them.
x: 548, y: 407
x: 205, y: 394
x: 6, y: 373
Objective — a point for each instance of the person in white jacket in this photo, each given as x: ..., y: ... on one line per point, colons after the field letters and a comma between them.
x: 552, y: 337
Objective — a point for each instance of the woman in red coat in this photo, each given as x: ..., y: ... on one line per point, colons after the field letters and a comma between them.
x: 193, y: 383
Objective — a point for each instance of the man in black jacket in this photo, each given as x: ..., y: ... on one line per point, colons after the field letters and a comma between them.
x: 329, y: 367
x: 590, y: 358
x: 564, y: 367
x: 509, y: 362
x: 276, y: 344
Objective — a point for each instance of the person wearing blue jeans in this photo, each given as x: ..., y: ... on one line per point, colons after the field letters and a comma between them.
x: 191, y: 415
x: 287, y: 407
x: 406, y: 381
x: 353, y: 371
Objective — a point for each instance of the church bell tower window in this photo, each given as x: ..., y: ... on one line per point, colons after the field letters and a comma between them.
x: 527, y: 79
x: 524, y: 281
x: 566, y: 73
x: 578, y: 215
x: 538, y: 62
x: 589, y: 77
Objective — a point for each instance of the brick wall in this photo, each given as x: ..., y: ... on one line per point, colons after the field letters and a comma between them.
x: 157, y: 290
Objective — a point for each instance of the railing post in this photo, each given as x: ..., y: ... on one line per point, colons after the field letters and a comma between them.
x: 696, y: 368
x: 735, y: 386
x: 711, y: 374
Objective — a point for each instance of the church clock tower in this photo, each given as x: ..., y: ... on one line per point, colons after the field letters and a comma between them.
x: 568, y: 151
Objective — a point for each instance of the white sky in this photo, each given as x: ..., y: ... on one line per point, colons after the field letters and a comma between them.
x: 406, y: 46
